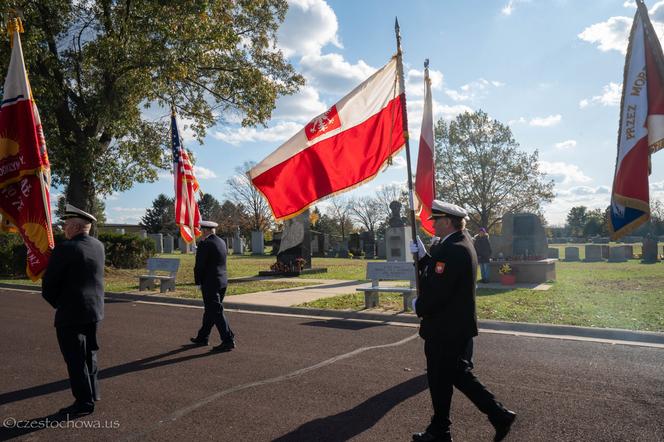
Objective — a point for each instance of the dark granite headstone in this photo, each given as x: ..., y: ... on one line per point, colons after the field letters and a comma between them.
x: 296, y: 241
x: 368, y: 243
x: 649, y: 254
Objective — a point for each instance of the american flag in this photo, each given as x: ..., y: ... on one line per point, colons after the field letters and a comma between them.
x: 187, y: 215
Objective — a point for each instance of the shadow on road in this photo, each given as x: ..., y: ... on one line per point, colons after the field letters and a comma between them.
x: 129, y: 367
x: 350, y: 423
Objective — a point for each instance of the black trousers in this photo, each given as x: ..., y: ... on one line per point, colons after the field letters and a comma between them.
x: 449, y: 364
x: 214, y: 315
x: 78, y: 344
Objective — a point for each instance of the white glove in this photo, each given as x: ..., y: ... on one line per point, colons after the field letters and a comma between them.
x: 418, y: 248
x: 433, y: 240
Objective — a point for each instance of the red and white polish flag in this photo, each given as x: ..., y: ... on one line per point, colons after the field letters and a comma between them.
x: 424, y: 176
x: 641, y: 127
x: 338, y: 150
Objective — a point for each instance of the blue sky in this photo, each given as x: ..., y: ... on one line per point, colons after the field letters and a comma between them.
x: 551, y: 69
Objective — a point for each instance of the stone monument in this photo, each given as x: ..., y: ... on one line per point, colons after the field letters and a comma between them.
x: 593, y: 253
x: 238, y: 243
x: 257, y: 243
x: 296, y: 241
x: 649, y: 250
x: 168, y: 244
x: 617, y: 254
x: 158, y: 239
x: 398, y: 236
x: 571, y: 253
x: 368, y: 244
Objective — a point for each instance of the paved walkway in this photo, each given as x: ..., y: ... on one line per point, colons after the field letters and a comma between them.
x: 299, y: 295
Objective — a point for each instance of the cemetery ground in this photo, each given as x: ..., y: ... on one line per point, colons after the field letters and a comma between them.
x: 626, y: 295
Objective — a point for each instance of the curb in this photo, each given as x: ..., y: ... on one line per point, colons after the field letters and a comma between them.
x: 609, y: 334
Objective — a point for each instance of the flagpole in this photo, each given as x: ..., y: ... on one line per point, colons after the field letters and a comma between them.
x: 411, y: 199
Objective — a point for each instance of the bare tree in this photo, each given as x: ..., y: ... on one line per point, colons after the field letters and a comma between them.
x: 340, y: 211
x: 242, y: 192
x: 386, y: 194
x: 366, y: 211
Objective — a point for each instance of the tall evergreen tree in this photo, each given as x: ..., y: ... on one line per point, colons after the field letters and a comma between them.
x: 160, y: 218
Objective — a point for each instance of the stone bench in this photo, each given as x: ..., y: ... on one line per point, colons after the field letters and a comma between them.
x: 166, y: 282
x: 389, y: 271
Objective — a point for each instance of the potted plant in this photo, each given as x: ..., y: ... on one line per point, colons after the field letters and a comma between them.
x: 507, y: 276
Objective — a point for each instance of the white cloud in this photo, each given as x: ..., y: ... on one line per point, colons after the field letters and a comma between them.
x: 302, y: 106
x: 611, y: 94
x: 280, y: 132
x: 447, y: 112
x: 509, y: 7
x: 165, y: 175
x: 520, y: 120
x: 564, y: 173
x: 611, y: 34
x: 203, y: 173
x: 308, y: 27
x: 331, y: 73
x: 473, y: 90
x: 128, y: 209
x: 567, y: 144
x: 415, y: 82
x: 629, y: 4
x: 549, y: 121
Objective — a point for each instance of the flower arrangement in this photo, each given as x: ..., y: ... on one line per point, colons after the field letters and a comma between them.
x: 299, y: 263
x: 505, y: 269
x: 279, y: 267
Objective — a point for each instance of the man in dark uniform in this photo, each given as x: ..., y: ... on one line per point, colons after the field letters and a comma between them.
x: 210, y: 275
x: 74, y: 285
x: 446, y: 305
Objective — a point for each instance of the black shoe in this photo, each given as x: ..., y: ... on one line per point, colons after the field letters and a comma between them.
x: 199, y: 341
x: 224, y: 346
x: 503, y: 424
x: 77, y: 409
x: 428, y: 437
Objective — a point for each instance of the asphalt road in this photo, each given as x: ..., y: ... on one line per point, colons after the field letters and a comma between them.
x: 303, y: 379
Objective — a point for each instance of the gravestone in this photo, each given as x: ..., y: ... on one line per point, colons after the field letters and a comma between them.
x: 342, y: 250
x: 143, y: 234
x: 380, y: 249
x: 183, y: 246
x: 629, y: 251
x: 571, y: 253
x: 368, y: 243
x: 593, y: 253
x: 554, y: 253
x: 158, y: 239
x: 617, y: 254
x: 276, y: 242
x: 168, y: 244
x: 605, y: 252
x: 238, y: 243
x: 398, y: 236
x: 296, y: 241
x: 649, y: 254
x: 354, y: 244
x: 522, y: 237
x: 257, y: 243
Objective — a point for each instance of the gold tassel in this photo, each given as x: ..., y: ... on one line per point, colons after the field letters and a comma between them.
x: 14, y: 25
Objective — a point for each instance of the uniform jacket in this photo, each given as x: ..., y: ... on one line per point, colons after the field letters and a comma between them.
x: 446, y: 302
x: 74, y: 281
x: 483, y: 248
x: 210, y: 268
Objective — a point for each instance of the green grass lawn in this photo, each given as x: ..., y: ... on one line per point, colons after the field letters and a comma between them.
x: 616, y: 295
x: 619, y: 295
